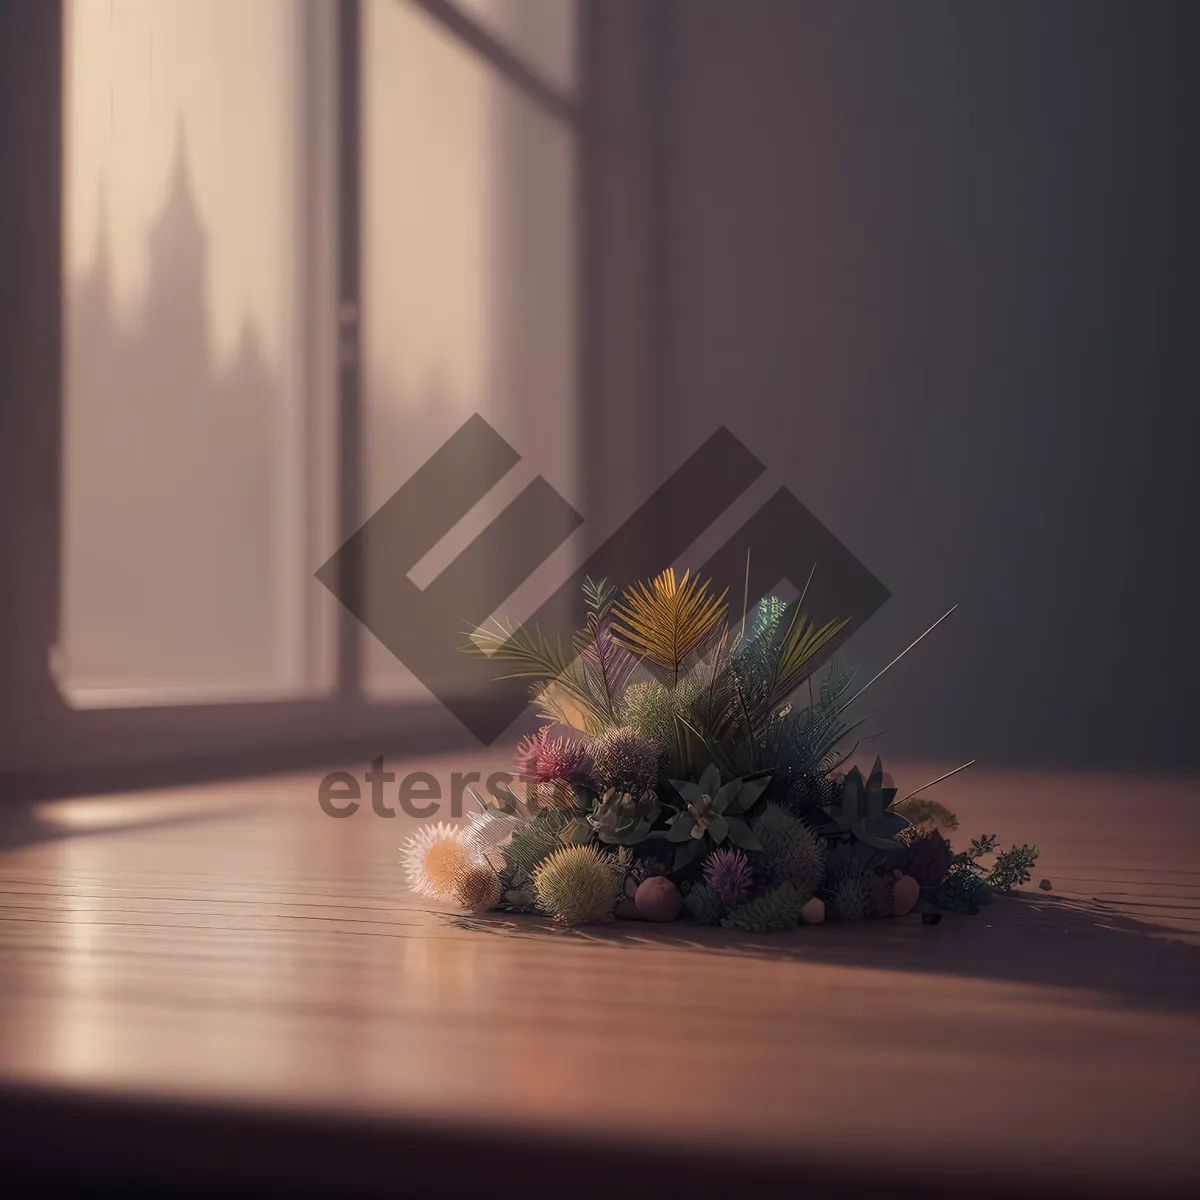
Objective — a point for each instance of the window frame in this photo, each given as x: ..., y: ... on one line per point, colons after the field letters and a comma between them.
x: 48, y: 747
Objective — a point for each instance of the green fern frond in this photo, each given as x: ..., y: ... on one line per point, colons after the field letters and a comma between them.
x: 771, y: 912
x: 805, y: 738
x: 597, y: 594
x: 768, y: 614
x: 534, y: 656
x: 782, y: 649
x: 533, y: 653
x: 530, y: 844
x: 1012, y: 867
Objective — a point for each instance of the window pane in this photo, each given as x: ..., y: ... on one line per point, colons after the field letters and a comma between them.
x: 468, y: 279
x: 539, y: 32
x: 197, y: 409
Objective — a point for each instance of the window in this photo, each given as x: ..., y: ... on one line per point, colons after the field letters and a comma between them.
x: 300, y: 242
x: 197, y: 431
x: 469, y: 274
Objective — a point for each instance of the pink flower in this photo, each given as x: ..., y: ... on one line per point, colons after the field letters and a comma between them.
x: 543, y: 759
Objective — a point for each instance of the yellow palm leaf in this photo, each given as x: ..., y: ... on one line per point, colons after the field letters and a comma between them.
x: 666, y: 620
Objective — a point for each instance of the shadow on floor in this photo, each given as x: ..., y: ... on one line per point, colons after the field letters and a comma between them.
x: 22, y: 825
x: 1048, y: 941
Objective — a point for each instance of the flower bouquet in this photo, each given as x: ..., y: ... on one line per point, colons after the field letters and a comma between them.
x: 693, y: 768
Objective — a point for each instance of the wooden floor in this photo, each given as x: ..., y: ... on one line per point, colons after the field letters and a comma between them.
x: 223, y: 959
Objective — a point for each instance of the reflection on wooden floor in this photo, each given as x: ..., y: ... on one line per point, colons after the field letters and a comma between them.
x: 233, y: 943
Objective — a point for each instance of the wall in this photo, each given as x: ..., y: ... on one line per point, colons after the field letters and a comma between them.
x: 934, y: 263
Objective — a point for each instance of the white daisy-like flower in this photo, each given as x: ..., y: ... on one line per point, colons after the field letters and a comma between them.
x: 435, y: 858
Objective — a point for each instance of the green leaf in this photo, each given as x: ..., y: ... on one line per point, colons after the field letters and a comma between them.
x: 725, y: 795
x: 584, y: 794
x: 630, y: 838
x: 681, y: 828
x: 851, y: 796
x: 859, y: 830
x: 747, y: 794
x: 740, y: 835
x: 687, y: 854
x: 687, y: 789
x: 718, y: 829
x: 507, y: 802
x: 710, y: 781
x: 577, y: 832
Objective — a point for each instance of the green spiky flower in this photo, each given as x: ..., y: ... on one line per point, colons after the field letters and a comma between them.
x: 651, y: 707
x: 577, y: 885
x: 849, y: 894
x: 647, y: 708
x: 792, y: 853
x: 881, y: 895
x: 625, y: 759
x: 771, y: 912
x: 702, y: 903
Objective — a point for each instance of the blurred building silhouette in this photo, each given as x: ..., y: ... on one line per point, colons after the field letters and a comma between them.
x: 172, y: 473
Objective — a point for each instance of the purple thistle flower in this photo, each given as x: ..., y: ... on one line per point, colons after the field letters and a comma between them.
x: 729, y: 874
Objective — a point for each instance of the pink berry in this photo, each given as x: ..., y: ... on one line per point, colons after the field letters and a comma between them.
x: 658, y: 899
